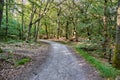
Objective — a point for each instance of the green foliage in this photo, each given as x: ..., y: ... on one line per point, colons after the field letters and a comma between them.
x: 9, y: 40
x: 106, y: 70
x: 87, y: 16
x: 13, y: 28
x: 22, y: 61
x: 12, y: 41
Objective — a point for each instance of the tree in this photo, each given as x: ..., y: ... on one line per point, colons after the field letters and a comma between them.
x: 1, y: 10
x: 67, y: 29
x: 105, y: 42
x: 116, y: 57
x: 38, y: 27
x: 22, y: 20
x: 44, y: 8
x: 58, y: 22
x: 46, y: 29
x: 31, y: 20
x: 1, y: 14
x: 6, y: 17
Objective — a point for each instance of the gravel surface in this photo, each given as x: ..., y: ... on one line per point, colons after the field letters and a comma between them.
x: 62, y: 64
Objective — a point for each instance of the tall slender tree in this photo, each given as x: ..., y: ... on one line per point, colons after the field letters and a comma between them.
x: 22, y: 20
x: 6, y: 17
x: 37, y: 27
x: 67, y: 29
x: 58, y: 22
x: 46, y: 29
x: 105, y: 34
x: 1, y: 10
x: 31, y: 20
x: 116, y: 57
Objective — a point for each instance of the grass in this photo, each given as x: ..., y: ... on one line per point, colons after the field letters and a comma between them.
x: 13, y: 41
x: 105, y: 70
x: 22, y: 61
x: 9, y: 41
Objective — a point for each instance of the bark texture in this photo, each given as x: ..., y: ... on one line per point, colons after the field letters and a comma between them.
x: 116, y: 57
x: 1, y: 10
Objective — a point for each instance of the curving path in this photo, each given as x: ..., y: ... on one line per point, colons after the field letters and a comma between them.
x: 64, y: 65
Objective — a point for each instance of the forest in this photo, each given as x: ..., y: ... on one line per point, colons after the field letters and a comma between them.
x: 90, y: 27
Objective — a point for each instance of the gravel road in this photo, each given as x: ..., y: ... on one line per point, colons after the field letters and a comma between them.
x: 64, y: 65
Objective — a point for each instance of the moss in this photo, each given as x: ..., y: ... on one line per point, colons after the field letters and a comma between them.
x: 116, y: 58
x: 1, y: 50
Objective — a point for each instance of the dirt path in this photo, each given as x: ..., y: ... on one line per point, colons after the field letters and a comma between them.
x: 62, y: 64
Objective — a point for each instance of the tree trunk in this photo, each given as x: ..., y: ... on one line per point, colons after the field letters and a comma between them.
x: 75, y: 31
x: 76, y: 34
x: 6, y: 17
x: 67, y: 30
x: 1, y: 14
x: 105, y: 42
x: 58, y: 29
x: 38, y: 27
x: 22, y: 21
x: 88, y: 33
x: 30, y: 23
x: 1, y: 10
x: 29, y: 31
x: 116, y: 57
x: 46, y: 30
x: 37, y: 31
x: 58, y: 23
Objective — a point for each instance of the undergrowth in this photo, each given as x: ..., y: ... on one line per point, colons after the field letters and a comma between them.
x: 105, y: 70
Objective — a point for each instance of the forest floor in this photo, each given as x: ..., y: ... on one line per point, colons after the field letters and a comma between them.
x: 47, y: 62
x: 20, y: 61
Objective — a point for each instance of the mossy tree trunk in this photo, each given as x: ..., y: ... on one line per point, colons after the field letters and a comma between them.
x: 116, y: 57
x: 58, y: 23
x: 22, y: 28
x: 46, y: 30
x: 105, y: 32
x: 67, y: 26
x: 6, y: 33
x: 31, y: 20
x: 1, y: 50
x: 1, y: 10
